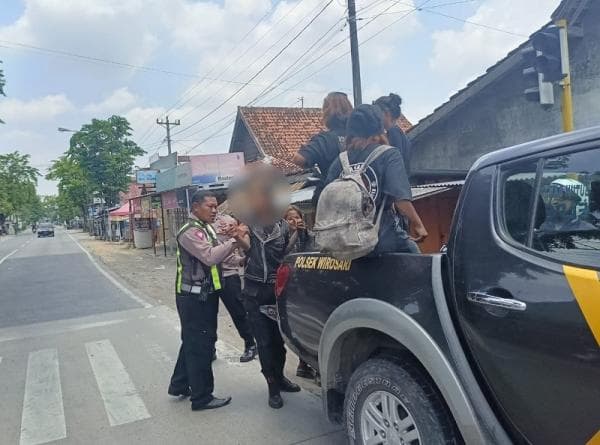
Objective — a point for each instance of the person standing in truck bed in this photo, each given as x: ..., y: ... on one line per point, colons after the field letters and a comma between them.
x: 324, y: 147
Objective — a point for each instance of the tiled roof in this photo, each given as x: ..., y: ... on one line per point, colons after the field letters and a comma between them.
x: 280, y: 132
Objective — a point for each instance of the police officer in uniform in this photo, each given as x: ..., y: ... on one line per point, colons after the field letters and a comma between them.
x: 198, y: 286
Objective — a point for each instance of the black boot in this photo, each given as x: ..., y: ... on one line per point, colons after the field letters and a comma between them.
x: 275, y: 400
x: 249, y: 354
x: 305, y: 371
x: 287, y: 385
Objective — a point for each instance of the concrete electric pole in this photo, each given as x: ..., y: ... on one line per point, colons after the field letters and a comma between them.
x: 168, y: 126
x: 354, y: 53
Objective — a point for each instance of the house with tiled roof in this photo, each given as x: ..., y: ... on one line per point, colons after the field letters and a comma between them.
x: 492, y: 112
x: 274, y: 134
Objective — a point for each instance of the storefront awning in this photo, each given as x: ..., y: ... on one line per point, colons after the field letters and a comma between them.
x: 121, y: 211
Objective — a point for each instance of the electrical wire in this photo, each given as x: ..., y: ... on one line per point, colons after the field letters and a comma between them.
x: 176, y: 105
x: 253, y: 62
x: 304, y: 28
x: 481, y: 25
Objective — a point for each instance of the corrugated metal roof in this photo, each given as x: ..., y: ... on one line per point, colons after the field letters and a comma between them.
x: 418, y: 192
x: 303, y: 195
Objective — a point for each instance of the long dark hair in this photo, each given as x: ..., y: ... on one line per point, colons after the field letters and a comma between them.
x: 390, y: 104
x: 336, y: 110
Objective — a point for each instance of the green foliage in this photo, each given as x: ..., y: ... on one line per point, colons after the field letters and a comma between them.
x: 74, y: 188
x: 106, y: 154
x: 18, y: 180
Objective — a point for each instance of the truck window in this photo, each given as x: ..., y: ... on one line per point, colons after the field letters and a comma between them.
x: 557, y: 213
x: 570, y: 191
x: 517, y: 200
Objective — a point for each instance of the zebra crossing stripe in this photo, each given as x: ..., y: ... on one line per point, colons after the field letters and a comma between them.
x: 43, y: 418
x: 121, y: 400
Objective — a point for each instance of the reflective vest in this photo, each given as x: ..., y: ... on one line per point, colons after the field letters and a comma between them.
x: 188, y: 265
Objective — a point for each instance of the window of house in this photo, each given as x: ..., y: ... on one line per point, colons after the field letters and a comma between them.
x: 557, y: 213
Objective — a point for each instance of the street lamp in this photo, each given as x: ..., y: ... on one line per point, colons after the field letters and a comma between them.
x: 66, y: 130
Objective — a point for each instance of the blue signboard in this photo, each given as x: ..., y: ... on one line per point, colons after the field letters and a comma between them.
x: 146, y: 177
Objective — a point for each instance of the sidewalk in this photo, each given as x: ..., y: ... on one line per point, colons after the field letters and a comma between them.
x: 153, y: 277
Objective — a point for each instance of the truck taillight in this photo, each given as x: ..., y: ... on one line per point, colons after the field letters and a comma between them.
x: 283, y: 275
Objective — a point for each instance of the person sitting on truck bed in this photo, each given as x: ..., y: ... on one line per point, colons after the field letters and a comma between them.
x: 385, y: 176
x: 324, y: 147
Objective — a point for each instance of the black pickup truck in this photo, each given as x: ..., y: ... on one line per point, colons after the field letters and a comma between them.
x: 495, y: 340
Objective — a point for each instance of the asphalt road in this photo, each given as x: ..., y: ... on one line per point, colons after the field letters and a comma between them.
x: 83, y: 360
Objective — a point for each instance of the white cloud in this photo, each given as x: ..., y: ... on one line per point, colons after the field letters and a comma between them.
x: 15, y: 111
x: 119, y: 100
x: 465, y: 53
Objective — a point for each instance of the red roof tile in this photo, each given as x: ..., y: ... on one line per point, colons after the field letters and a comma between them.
x: 280, y: 131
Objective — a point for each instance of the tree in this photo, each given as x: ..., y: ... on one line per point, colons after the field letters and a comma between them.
x: 74, y: 188
x: 18, y: 180
x: 106, y: 154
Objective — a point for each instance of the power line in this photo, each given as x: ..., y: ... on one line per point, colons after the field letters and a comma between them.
x: 264, y: 93
x: 269, y: 87
x: 248, y: 66
x: 342, y: 55
x: 265, y: 66
x: 197, y: 84
x: 482, y: 25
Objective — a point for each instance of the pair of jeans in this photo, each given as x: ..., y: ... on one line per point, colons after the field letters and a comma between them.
x: 198, y: 337
x: 232, y: 299
x: 271, y: 349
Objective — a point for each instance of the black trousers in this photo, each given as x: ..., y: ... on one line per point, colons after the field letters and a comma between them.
x: 198, y: 338
x: 232, y: 299
x: 271, y: 350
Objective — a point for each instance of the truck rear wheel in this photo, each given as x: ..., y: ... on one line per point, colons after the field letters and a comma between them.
x: 387, y: 403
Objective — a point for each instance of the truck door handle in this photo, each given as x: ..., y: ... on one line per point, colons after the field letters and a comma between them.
x: 485, y: 299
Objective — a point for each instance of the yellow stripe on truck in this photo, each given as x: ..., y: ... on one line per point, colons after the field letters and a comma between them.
x: 585, y: 285
x: 595, y: 440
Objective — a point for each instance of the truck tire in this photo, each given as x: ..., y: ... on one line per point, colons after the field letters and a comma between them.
x: 390, y: 403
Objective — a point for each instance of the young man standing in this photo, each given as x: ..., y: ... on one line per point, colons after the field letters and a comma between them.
x: 198, y: 287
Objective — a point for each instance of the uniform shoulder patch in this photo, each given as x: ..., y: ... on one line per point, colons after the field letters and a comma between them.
x: 200, y: 235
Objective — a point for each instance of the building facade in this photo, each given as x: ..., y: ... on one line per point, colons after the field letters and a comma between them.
x: 492, y: 112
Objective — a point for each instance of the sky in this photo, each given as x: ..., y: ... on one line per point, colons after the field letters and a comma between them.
x: 69, y: 61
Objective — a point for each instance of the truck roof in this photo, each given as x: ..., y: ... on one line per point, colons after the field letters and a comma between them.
x: 537, y: 146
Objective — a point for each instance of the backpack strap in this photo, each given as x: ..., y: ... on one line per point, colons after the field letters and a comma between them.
x: 381, y: 149
x: 345, y: 163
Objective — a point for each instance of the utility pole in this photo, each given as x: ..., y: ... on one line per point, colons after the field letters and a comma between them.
x: 354, y: 53
x: 301, y: 100
x: 567, y: 97
x: 168, y: 126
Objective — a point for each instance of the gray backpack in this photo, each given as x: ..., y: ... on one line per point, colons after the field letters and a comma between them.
x: 346, y: 222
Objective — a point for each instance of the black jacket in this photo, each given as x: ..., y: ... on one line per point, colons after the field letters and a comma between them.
x: 267, y: 250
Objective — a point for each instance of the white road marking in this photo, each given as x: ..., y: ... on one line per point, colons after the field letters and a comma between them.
x: 121, y: 400
x: 9, y: 255
x: 43, y: 418
x: 123, y: 289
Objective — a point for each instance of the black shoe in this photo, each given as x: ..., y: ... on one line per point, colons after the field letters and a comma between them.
x: 213, y: 404
x: 306, y: 372
x: 286, y: 385
x: 275, y: 401
x: 249, y: 354
x: 182, y: 392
